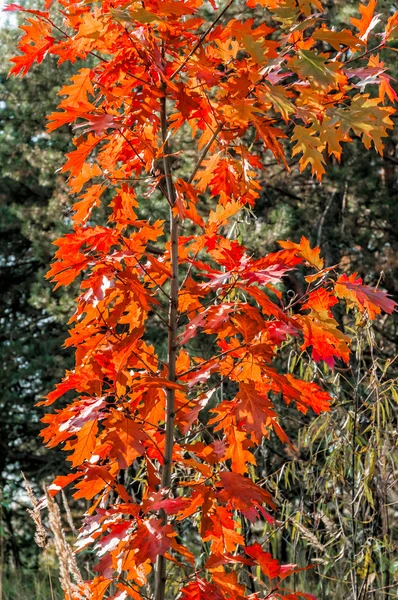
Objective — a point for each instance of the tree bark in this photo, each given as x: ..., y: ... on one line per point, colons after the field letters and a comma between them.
x: 160, y: 570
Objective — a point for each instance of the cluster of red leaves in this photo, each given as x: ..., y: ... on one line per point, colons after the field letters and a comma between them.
x: 222, y: 82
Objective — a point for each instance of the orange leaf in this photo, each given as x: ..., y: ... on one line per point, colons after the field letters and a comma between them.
x: 237, y: 450
x: 77, y: 158
x: 126, y: 436
x: 34, y: 45
x: 256, y: 410
x: 98, y: 587
x: 304, y: 250
x: 243, y: 493
x: 368, y: 20
x: 84, y: 443
x: 90, y: 199
x: 200, y: 589
x: 77, y: 92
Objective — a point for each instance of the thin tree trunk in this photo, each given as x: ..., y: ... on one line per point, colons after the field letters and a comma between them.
x: 160, y: 571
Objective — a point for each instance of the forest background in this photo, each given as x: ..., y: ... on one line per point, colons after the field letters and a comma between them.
x: 339, y: 508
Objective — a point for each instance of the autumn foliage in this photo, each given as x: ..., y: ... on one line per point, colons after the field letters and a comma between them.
x: 161, y: 443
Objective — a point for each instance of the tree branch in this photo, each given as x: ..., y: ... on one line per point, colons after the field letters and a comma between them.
x: 204, y: 152
x: 202, y: 38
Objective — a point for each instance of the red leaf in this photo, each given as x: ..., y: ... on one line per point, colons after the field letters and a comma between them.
x: 151, y: 540
x: 200, y: 589
x: 243, y: 493
x: 364, y: 297
x: 269, y: 566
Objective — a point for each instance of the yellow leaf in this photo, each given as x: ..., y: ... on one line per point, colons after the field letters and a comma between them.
x: 277, y: 95
x: 332, y: 137
x: 311, y: 147
x: 366, y: 119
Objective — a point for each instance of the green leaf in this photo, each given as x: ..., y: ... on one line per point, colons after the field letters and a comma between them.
x: 255, y: 49
x: 315, y: 68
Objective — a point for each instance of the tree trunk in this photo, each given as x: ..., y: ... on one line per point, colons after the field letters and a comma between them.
x: 160, y: 571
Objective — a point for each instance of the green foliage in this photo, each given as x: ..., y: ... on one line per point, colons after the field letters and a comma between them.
x: 32, y: 585
x: 32, y: 329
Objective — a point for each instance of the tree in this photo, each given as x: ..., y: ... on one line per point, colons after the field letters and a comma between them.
x: 167, y: 442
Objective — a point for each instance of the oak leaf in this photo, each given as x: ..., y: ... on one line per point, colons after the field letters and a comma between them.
x: 200, y: 589
x: 78, y: 157
x: 337, y: 39
x: 309, y: 144
x: 34, y: 45
x: 316, y: 68
x: 77, y: 93
x: 368, y: 20
x: 243, y: 493
x: 366, y: 119
x: 151, y: 539
x: 364, y: 297
x: 304, y: 251
x: 255, y: 410
x: 269, y: 566
x: 126, y: 437
x: 84, y: 444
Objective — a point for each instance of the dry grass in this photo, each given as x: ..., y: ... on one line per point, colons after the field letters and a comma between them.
x: 47, y: 583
